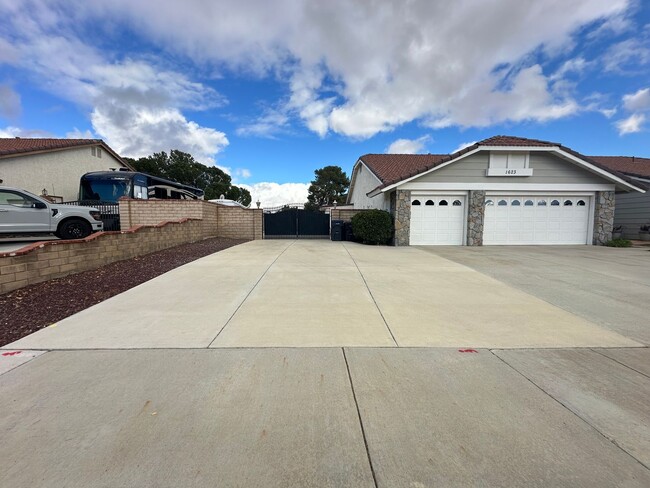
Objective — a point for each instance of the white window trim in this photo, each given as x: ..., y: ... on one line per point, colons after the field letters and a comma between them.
x: 522, y: 187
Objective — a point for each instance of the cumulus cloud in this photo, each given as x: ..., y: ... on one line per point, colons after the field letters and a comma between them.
x: 361, y: 68
x: 11, y: 131
x: 276, y: 194
x: 634, y: 123
x: 9, y: 102
x: 408, y: 146
x: 637, y: 101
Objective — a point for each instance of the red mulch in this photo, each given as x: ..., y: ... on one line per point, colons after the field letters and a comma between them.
x: 36, y: 306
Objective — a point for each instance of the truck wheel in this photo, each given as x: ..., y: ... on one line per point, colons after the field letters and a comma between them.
x: 74, y: 229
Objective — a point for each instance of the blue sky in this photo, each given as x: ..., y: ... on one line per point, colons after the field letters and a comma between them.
x: 271, y: 91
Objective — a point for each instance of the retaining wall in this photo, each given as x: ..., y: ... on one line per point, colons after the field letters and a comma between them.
x: 43, y: 261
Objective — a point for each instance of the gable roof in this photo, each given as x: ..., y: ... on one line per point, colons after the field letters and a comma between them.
x: 394, y: 168
x: 629, y: 165
x: 21, y: 146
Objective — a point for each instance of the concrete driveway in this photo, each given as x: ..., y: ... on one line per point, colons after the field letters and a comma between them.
x: 313, y: 363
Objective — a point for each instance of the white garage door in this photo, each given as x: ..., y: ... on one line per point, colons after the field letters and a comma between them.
x: 437, y: 220
x: 536, y: 219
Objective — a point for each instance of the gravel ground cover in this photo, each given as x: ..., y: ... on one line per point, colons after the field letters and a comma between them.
x: 36, y: 306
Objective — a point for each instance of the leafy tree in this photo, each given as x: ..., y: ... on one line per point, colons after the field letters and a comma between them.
x: 181, y: 167
x: 331, y: 184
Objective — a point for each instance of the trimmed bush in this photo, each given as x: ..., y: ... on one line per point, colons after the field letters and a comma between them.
x: 373, y: 227
x: 618, y: 243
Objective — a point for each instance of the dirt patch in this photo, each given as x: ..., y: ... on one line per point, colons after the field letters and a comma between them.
x: 36, y: 306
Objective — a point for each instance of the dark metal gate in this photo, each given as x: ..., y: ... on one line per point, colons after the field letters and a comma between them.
x: 296, y: 223
x: 110, y: 212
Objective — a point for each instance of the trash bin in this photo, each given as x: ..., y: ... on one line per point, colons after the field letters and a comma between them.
x: 347, y: 232
x: 336, y: 232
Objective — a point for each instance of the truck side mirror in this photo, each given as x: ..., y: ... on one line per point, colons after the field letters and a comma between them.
x: 40, y: 205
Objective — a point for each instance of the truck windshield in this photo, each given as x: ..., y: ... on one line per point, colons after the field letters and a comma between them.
x: 105, y: 190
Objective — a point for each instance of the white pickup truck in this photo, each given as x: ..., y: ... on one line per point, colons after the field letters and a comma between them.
x: 22, y: 212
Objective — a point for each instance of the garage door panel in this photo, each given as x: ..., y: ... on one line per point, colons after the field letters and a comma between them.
x: 438, y: 220
x: 549, y: 219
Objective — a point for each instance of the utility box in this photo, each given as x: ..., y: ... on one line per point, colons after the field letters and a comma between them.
x: 336, y: 232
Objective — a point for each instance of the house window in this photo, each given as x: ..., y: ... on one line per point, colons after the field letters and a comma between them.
x: 415, y: 202
x: 93, y: 151
x: 429, y: 202
x: 99, y: 152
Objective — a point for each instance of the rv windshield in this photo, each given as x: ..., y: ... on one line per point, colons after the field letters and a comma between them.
x: 105, y: 190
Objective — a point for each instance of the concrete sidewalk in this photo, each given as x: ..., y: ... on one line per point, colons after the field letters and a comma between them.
x: 362, y: 417
x: 323, y: 294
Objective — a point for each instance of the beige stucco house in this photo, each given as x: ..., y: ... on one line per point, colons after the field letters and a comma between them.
x: 54, y: 165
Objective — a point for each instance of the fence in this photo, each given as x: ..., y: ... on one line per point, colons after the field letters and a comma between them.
x: 110, y: 212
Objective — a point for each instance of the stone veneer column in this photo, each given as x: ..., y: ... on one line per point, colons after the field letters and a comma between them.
x: 603, y: 217
x: 475, y: 218
x: 402, y: 217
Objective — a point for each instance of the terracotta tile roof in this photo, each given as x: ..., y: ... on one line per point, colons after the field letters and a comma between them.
x: 21, y: 146
x: 515, y: 141
x: 393, y: 168
x: 396, y: 167
x: 628, y: 165
x: 16, y: 145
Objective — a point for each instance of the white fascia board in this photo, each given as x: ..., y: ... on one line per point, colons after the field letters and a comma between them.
x: 523, y: 187
x: 400, y: 183
x: 605, y: 174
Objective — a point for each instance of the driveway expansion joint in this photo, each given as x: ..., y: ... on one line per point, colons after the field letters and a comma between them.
x: 372, y: 296
x: 249, y: 294
x: 363, y: 430
x: 611, y: 440
x: 619, y: 362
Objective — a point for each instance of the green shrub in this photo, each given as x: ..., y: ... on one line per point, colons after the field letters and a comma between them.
x: 372, y: 227
x: 618, y: 243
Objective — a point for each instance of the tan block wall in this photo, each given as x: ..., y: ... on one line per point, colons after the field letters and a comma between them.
x: 55, y: 259
x: 217, y: 220
x: 345, y: 214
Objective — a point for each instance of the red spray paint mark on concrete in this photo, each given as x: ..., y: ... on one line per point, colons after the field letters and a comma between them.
x: 468, y: 350
x: 13, y: 353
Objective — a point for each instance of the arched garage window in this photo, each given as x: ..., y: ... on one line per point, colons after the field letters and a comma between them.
x: 529, y: 203
x: 429, y: 202
x: 415, y: 202
x: 541, y: 203
x: 581, y: 203
x: 502, y: 203
x: 443, y: 203
x: 489, y: 203
x: 516, y: 203
x: 457, y: 203
x: 568, y: 203
x: 555, y: 203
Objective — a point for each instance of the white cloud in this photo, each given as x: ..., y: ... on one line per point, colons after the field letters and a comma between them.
x: 408, y: 146
x: 10, y: 107
x: 355, y: 68
x: 627, y: 55
x: 634, y: 123
x: 243, y: 173
x: 639, y: 101
x: 11, y: 131
x: 78, y: 134
x: 276, y: 194
x: 269, y: 124
x: 462, y: 146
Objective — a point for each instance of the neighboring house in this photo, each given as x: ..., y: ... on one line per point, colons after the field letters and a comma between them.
x: 502, y: 190
x: 54, y: 165
x: 632, y: 209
